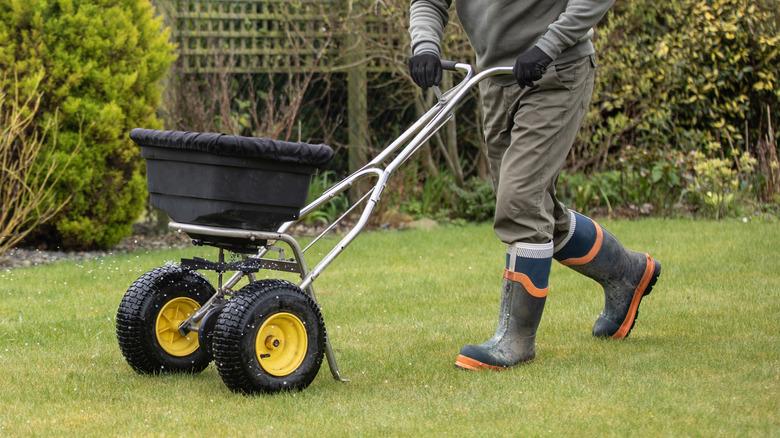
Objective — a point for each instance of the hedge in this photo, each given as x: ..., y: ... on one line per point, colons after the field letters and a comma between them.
x: 102, y: 61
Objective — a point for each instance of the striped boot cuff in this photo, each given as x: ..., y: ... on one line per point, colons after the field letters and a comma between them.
x: 529, y: 264
x: 582, y: 243
x: 572, y: 226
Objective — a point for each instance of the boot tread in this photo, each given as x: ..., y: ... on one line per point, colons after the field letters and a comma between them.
x: 645, y: 286
x: 467, y: 363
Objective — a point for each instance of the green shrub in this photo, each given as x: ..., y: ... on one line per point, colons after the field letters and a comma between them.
x: 683, y: 75
x: 657, y: 177
x: 431, y: 198
x: 102, y: 62
x: 718, y: 184
x: 476, y: 201
x: 586, y: 193
x: 684, y: 88
x: 440, y: 198
x: 330, y: 211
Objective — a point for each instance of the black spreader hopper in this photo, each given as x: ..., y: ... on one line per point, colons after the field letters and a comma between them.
x: 226, y: 180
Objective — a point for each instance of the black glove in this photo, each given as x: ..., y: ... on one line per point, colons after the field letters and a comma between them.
x: 530, y: 66
x: 425, y: 69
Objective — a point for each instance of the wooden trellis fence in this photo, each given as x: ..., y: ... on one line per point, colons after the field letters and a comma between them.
x: 263, y: 36
x: 269, y: 36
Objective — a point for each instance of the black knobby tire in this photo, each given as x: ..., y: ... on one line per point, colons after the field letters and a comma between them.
x: 206, y: 329
x: 236, y: 332
x: 137, y: 316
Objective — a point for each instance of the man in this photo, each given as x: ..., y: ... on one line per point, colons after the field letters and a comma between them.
x: 531, y: 121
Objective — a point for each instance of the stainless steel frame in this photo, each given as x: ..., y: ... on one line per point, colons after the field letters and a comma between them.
x: 408, y: 143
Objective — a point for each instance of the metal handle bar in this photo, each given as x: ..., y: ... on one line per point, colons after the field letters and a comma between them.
x: 449, y: 65
x: 421, y: 131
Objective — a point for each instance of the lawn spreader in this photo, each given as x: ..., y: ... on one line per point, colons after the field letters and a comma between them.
x: 242, y: 195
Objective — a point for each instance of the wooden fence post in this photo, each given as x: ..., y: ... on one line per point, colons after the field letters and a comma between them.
x: 357, y: 91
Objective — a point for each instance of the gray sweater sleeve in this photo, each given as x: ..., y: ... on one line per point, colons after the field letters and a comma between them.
x: 427, y: 21
x: 575, y: 22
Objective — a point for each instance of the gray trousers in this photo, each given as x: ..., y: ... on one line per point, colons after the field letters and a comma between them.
x: 529, y: 132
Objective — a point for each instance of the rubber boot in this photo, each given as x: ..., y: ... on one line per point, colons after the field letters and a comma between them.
x: 626, y: 276
x: 524, y: 294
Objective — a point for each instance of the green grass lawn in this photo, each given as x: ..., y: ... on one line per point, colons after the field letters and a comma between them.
x: 703, y: 359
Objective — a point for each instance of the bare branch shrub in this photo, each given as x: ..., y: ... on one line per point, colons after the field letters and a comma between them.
x: 768, y: 162
x: 237, y: 99
x: 27, y: 177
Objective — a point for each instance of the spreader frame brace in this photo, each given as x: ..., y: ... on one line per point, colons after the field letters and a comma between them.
x: 276, y: 265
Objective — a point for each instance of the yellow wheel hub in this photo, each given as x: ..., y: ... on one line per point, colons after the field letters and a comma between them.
x: 173, y: 313
x: 281, y: 344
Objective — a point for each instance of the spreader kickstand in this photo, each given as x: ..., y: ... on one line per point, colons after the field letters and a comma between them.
x: 334, y: 367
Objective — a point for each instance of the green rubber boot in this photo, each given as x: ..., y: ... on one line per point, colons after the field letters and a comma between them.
x: 626, y: 276
x: 524, y: 294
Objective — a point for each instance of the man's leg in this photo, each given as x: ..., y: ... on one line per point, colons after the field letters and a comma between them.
x: 544, y: 124
x: 561, y: 214
x: 626, y: 276
x: 589, y: 249
x: 497, y: 123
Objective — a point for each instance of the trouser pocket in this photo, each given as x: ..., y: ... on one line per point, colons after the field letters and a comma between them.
x: 573, y: 74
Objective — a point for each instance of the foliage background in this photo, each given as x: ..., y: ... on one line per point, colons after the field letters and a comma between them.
x: 682, y: 121
x: 681, y: 77
x: 101, y: 62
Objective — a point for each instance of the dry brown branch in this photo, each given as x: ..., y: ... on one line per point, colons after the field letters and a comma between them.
x: 768, y: 162
x: 280, y: 115
x: 27, y: 178
x: 229, y: 96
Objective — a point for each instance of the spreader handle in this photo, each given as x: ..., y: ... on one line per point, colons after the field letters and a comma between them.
x: 448, y: 65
